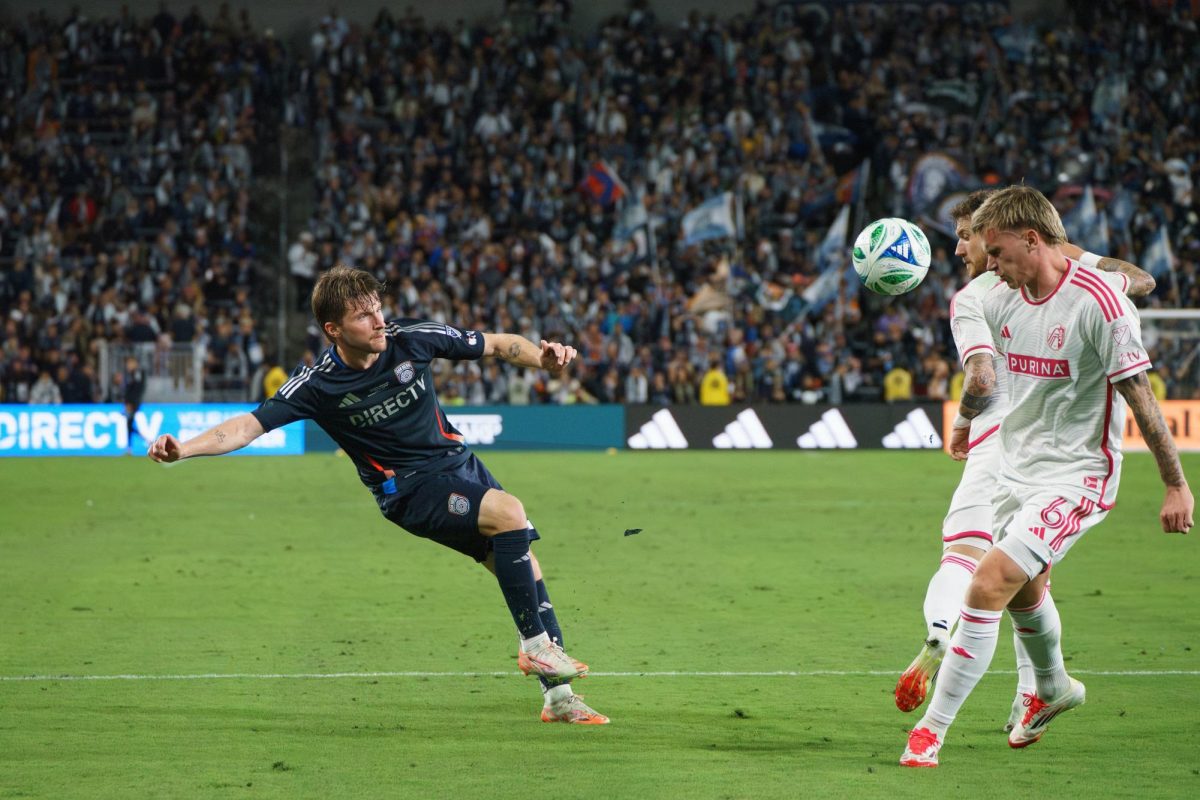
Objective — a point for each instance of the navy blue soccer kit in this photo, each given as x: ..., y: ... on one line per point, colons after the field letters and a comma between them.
x: 388, y: 421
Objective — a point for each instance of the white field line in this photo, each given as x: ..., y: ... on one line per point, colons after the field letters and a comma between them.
x: 819, y: 673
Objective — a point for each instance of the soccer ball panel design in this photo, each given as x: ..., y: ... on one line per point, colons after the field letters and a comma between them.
x: 891, y: 256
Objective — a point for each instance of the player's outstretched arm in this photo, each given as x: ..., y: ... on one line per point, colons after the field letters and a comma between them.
x: 1178, y: 505
x: 1141, y: 283
x: 978, y: 382
x: 519, y: 351
x: 232, y: 434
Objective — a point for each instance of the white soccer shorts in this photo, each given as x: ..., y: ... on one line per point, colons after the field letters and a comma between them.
x: 969, y: 520
x: 1036, y: 529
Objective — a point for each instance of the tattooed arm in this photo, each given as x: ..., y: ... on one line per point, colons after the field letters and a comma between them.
x: 519, y: 351
x: 978, y: 383
x: 1141, y: 283
x: 232, y: 434
x: 1178, y: 505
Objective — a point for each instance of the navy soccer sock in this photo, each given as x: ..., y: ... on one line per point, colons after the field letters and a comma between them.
x: 549, y: 622
x: 514, y: 572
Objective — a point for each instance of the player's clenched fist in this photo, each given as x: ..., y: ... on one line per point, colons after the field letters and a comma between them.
x: 166, y: 449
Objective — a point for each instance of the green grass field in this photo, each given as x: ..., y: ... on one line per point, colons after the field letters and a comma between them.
x: 264, y: 574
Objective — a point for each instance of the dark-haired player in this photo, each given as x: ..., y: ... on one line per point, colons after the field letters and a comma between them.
x: 372, y: 392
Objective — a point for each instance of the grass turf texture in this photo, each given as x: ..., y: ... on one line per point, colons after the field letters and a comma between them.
x: 747, y: 562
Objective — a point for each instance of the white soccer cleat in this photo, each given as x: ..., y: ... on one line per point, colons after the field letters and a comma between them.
x: 922, y: 749
x: 574, y: 711
x: 550, y: 662
x: 1039, y: 714
x: 913, y: 685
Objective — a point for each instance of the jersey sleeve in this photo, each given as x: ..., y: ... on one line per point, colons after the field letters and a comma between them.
x: 435, y: 340
x: 296, y: 399
x: 971, y: 332
x: 1115, y: 329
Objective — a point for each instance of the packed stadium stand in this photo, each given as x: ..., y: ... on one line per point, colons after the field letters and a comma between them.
x: 525, y: 175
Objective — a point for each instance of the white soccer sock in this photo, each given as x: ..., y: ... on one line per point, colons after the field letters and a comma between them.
x: 1026, y: 682
x: 1040, y: 630
x: 534, y: 642
x: 947, y: 587
x: 557, y: 693
x: 967, y: 659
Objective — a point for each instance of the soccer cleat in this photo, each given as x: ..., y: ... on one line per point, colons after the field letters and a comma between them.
x: 1039, y: 713
x: 1018, y: 711
x: 550, y: 662
x: 913, y: 685
x: 574, y: 711
x: 922, y: 749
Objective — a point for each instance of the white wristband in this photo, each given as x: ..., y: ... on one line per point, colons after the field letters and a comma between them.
x: 1089, y: 259
x: 960, y: 422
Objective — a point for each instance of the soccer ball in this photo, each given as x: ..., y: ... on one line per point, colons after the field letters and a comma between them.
x: 891, y: 256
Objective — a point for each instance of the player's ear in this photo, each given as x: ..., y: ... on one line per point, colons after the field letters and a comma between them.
x: 331, y: 330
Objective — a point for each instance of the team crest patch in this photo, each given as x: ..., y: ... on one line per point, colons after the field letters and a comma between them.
x: 1058, y: 335
x: 405, y: 372
x: 1122, y: 335
x: 458, y: 504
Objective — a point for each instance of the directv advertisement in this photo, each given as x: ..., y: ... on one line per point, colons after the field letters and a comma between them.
x: 102, y: 430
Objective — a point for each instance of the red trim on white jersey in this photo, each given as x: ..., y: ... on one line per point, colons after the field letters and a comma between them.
x: 1108, y: 410
x: 1053, y: 292
x: 985, y: 435
x: 970, y: 351
x: 1104, y: 294
x: 1145, y: 363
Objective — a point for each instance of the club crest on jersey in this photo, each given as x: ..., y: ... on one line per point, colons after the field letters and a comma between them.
x: 405, y: 372
x: 458, y: 505
x: 1122, y: 335
x: 1058, y: 335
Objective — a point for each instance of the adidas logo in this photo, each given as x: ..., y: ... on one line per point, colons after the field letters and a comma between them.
x: 913, y: 433
x: 746, y: 432
x: 1004, y: 333
x: 829, y: 432
x: 349, y: 399
x: 661, y: 432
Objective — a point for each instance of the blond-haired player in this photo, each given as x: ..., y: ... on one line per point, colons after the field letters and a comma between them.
x: 1072, y: 344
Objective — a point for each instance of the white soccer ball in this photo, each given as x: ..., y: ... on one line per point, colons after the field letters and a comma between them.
x: 891, y: 256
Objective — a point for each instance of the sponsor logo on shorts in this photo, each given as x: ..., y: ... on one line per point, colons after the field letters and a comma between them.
x: 458, y: 504
x: 405, y: 372
x: 1091, y: 482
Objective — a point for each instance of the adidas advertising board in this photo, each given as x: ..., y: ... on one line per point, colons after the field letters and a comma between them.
x: 848, y: 427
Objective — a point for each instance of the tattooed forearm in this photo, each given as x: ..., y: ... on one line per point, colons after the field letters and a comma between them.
x: 1141, y: 283
x: 220, y: 434
x: 1146, y: 412
x: 514, y: 351
x: 977, y: 386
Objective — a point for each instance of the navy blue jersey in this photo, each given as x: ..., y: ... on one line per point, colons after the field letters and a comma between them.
x: 385, y: 417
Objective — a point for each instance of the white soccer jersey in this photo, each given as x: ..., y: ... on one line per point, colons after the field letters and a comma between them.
x: 971, y: 336
x: 1065, y: 422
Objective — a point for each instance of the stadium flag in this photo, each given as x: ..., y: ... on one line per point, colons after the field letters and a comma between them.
x: 1157, y: 258
x: 1086, y: 226
x: 933, y: 175
x: 603, y: 185
x: 853, y: 185
x: 633, y: 224
x: 832, y: 261
x: 1120, y: 214
x: 712, y: 219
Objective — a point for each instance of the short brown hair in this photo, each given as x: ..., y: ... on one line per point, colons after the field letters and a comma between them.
x: 970, y: 204
x: 1017, y: 208
x: 339, y: 290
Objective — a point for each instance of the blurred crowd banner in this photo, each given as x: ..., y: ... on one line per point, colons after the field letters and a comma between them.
x: 101, y: 429
x: 523, y: 428
x: 1182, y: 416
x: 785, y: 427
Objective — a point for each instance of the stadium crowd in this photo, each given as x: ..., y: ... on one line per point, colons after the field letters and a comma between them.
x: 479, y: 169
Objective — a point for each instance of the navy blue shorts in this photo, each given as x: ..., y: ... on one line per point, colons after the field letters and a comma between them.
x: 442, y: 506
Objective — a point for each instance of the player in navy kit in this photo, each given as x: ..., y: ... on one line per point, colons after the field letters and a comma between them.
x: 372, y: 392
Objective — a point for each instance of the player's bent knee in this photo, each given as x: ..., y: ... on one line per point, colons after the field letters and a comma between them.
x: 500, y: 512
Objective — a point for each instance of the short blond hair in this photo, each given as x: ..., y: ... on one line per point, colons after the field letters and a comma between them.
x: 1020, y: 208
